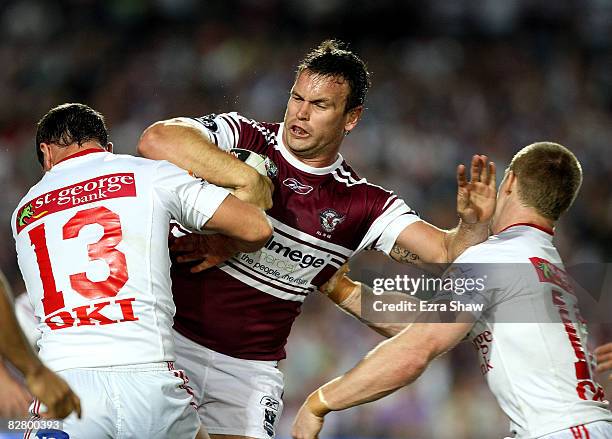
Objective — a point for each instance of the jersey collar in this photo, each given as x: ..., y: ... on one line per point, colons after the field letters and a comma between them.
x: 298, y: 164
x: 81, y: 154
x: 535, y: 226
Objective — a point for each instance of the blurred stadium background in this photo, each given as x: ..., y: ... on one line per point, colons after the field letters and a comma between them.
x: 450, y: 78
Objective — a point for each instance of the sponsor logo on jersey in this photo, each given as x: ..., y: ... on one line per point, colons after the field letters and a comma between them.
x: 271, y: 168
x: 100, y: 188
x: 550, y: 273
x: 330, y: 219
x: 117, y: 311
x: 50, y: 433
x: 304, y: 260
x: 483, y: 344
x: 268, y: 422
x: 268, y: 401
x: 208, y: 122
x: 27, y: 212
x: 297, y: 187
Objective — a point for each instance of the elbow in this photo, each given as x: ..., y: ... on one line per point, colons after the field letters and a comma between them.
x: 154, y: 141
x: 258, y: 234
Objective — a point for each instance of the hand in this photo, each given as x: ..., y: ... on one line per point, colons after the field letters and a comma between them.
x: 604, y: 358
x: 328, y: 287
x: 14, y: 398
x: 476, y: 199
x: 209, y: 249
x: 306, y: 425
x: 258, y: 192
x: 53, y: 391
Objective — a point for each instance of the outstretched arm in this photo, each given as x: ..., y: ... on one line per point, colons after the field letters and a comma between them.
x: 393, y: 364
x: 42, y: 383
x: 424, y: 243
x: 182, y: 142
x: 348, y: 296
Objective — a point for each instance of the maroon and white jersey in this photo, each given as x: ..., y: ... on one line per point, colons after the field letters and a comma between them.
x: 92, y: 246
x: 321, y: 216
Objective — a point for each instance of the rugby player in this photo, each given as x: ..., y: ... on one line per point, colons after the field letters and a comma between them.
x: 91, y: 240
x: 540, y: 371
x: 233, y: 320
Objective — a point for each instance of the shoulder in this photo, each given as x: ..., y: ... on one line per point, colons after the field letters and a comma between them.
x: 497, y: 249
x: 346, y: 177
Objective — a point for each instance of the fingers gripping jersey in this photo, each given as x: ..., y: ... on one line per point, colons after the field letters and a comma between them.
x: 529, y: 335
x: 91, y: 241
x: 321, y: 218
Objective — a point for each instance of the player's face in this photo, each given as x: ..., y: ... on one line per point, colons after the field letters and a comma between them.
x: 315, y: 120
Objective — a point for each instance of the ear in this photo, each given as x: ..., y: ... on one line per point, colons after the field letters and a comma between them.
x: 109, y: 147
x: 352, y: 118
x: 511, y: 182
x: 47, y: 151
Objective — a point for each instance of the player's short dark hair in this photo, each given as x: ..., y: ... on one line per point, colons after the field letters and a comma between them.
x: 331, y: 58
x: 67, y: 124
x: 548, y: 176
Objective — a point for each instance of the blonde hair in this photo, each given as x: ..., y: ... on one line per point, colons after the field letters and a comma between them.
x: 548, y: 176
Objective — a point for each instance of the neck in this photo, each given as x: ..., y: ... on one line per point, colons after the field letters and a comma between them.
x: 522, y: 215
x: 62, y: 153
x: 321, y: 161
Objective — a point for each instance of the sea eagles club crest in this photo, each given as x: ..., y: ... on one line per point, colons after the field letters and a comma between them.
x: 330, y: 219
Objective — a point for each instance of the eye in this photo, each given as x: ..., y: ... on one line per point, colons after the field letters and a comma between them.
x: 297, y: 98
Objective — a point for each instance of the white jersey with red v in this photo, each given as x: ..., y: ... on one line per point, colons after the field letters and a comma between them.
x: 530, y: 337
x: 91, y: 240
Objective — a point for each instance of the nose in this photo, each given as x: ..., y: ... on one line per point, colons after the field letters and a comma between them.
x: 303, y: 112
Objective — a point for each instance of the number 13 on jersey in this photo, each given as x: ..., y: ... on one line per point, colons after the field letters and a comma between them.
x: 100, y: 293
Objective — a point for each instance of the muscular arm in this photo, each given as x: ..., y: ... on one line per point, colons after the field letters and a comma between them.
x: 245, y: 225
x: 13, y: 344
x: 41, y: 382
x: 426, y: 245
x: 181, y: 142
x: 421, y: 242
x: 348, y: 295
x: 393, y: 364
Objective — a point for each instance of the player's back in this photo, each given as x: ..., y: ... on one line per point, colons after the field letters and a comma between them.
x: 92, y: 246
x: 530, y: 338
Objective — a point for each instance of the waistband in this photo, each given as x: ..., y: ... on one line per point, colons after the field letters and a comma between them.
x: 141, y: 367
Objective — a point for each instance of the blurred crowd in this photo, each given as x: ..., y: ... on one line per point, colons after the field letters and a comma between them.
x: 450, y: 79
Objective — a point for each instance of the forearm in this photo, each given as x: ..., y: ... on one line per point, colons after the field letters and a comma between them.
x: 349, y: 296
x: 13, y: 345
x: 390, y: 366
x: 181, y: 143
x: 463, y: 236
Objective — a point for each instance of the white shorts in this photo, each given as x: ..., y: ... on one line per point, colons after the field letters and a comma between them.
x: 126, y: 402
x: 592, y: 430
x: 234, y: 396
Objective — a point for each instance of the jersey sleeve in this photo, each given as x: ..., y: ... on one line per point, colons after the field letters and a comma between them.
x: 232, y: 130
x: 391, y: 216
x: 191, y: 201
